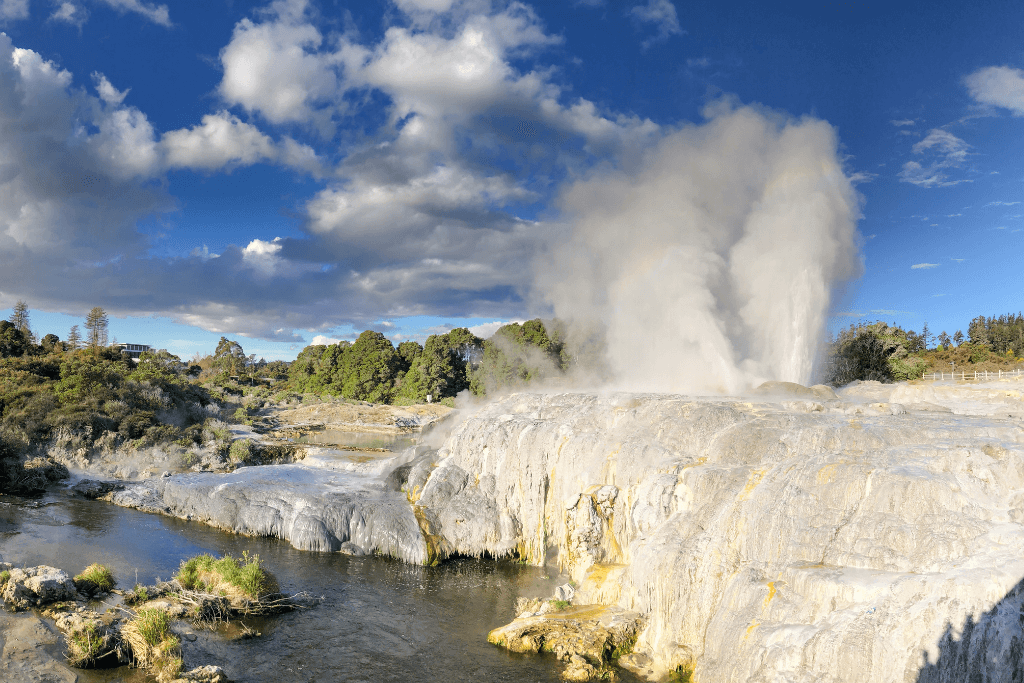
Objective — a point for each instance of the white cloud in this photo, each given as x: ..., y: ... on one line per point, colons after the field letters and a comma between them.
x: 918, y: 266
x: 158, y: 14
x: 945, y: 151
x: 11, y: 10
x: 323, y: 340
x: 274, y: 68
x: 1001, y: 203
x: 902, y: 122
x: 487, y: 330
x: 70, y: 13
x: 221, y: 140
x: 661, y: 13
x: 108, y: 93
x: 998, y: 86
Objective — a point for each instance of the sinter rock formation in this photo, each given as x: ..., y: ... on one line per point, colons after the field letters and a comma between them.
x: 790, y: 536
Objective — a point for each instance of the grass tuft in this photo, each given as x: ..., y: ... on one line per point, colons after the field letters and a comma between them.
x: 84, y: 645
x: 96, y: 578
x: 244, y: 576
x: 153, y: 645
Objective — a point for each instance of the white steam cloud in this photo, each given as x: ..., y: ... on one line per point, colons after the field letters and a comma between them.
x: 711, y: 265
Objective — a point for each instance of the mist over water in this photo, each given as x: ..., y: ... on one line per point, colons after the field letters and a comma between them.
x: 710, y: 265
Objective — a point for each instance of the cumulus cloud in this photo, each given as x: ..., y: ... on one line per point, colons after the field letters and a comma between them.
x: 660, y: 13
x: 11, y: 10
x: 323, y: 340
x: 221, y: 140
x: 419, y: 217
x: 274, y: 68
x: 944, y: 151
x: 998, y: 86
x: 918, y: 266
x: 710, y: 267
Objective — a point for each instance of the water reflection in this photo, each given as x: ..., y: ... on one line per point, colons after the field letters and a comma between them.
x: 380, y: 619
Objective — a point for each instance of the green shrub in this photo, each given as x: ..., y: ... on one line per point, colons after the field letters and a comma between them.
x: 5, y: 576
x: 241, y: 451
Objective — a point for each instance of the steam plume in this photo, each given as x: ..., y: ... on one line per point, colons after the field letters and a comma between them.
x: 711, y: 265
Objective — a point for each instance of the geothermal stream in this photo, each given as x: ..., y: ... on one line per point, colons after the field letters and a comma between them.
x: 792, y: 535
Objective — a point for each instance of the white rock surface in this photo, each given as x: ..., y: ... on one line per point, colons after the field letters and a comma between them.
x: 35, y: 586
x: 314, y: 509
x: 855, y: 543
x: 794, y: 536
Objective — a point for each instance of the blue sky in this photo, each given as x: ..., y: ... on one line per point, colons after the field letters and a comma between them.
x: 278, y: 172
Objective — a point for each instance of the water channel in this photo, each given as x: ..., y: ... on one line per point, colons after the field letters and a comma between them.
x: 379, y: 620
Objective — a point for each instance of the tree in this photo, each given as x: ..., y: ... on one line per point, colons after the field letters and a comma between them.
x: 926, y: 335
x: 96, y: 324
x: 873, y: 352
x: 50, y: 342
x: 944, y: 339
x: 518, y: 354
x: 228, y: 357
x: 74, y: 339
x: 19, y: 318
x: 442, y: 369
x: 371, y: 368
x: 958, y: 338
x: 12, y: 340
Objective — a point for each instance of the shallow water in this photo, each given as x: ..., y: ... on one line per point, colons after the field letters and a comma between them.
x: 380, y: 620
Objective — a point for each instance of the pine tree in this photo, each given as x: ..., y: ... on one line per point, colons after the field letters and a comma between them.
x: 74, y: 339
x: 926, y: 335
x: 96, y: 323
x: 19, y: 318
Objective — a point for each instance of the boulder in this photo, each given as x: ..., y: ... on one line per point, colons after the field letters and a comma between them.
x: 37, y: 586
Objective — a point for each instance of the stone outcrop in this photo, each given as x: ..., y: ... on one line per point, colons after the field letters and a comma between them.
x: 761, y: 541
x: 36, y: 586
x: 313, y: 509
x: 586, y: 638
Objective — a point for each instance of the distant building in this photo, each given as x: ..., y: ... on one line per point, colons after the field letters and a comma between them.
x: 133, y: 350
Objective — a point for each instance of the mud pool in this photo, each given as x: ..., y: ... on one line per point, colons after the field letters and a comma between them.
x: 380, y: 619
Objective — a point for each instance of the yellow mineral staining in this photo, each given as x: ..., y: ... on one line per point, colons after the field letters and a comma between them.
x: 752, y: 481
x: 827, y: 474
x: 771, y: 593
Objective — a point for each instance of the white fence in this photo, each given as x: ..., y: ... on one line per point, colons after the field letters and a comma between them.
x: 970, y: 376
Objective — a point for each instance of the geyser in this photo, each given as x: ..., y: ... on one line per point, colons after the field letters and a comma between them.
x: 710, y: 264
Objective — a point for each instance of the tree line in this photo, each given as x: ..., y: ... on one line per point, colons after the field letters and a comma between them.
x: 888, y: 353
x: 372, y: 369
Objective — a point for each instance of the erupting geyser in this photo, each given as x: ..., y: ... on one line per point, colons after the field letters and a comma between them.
x: 711, y: 262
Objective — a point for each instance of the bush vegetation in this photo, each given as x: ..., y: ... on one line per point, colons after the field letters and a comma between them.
x: 885, y: 353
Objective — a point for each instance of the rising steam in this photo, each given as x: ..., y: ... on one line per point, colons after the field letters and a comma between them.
x: 711, y: 265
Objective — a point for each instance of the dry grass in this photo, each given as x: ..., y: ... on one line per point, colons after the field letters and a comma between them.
x: 153, y: 645
x: 84, y: 645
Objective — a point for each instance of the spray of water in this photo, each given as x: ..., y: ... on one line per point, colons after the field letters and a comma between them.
x: 710, y: 265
